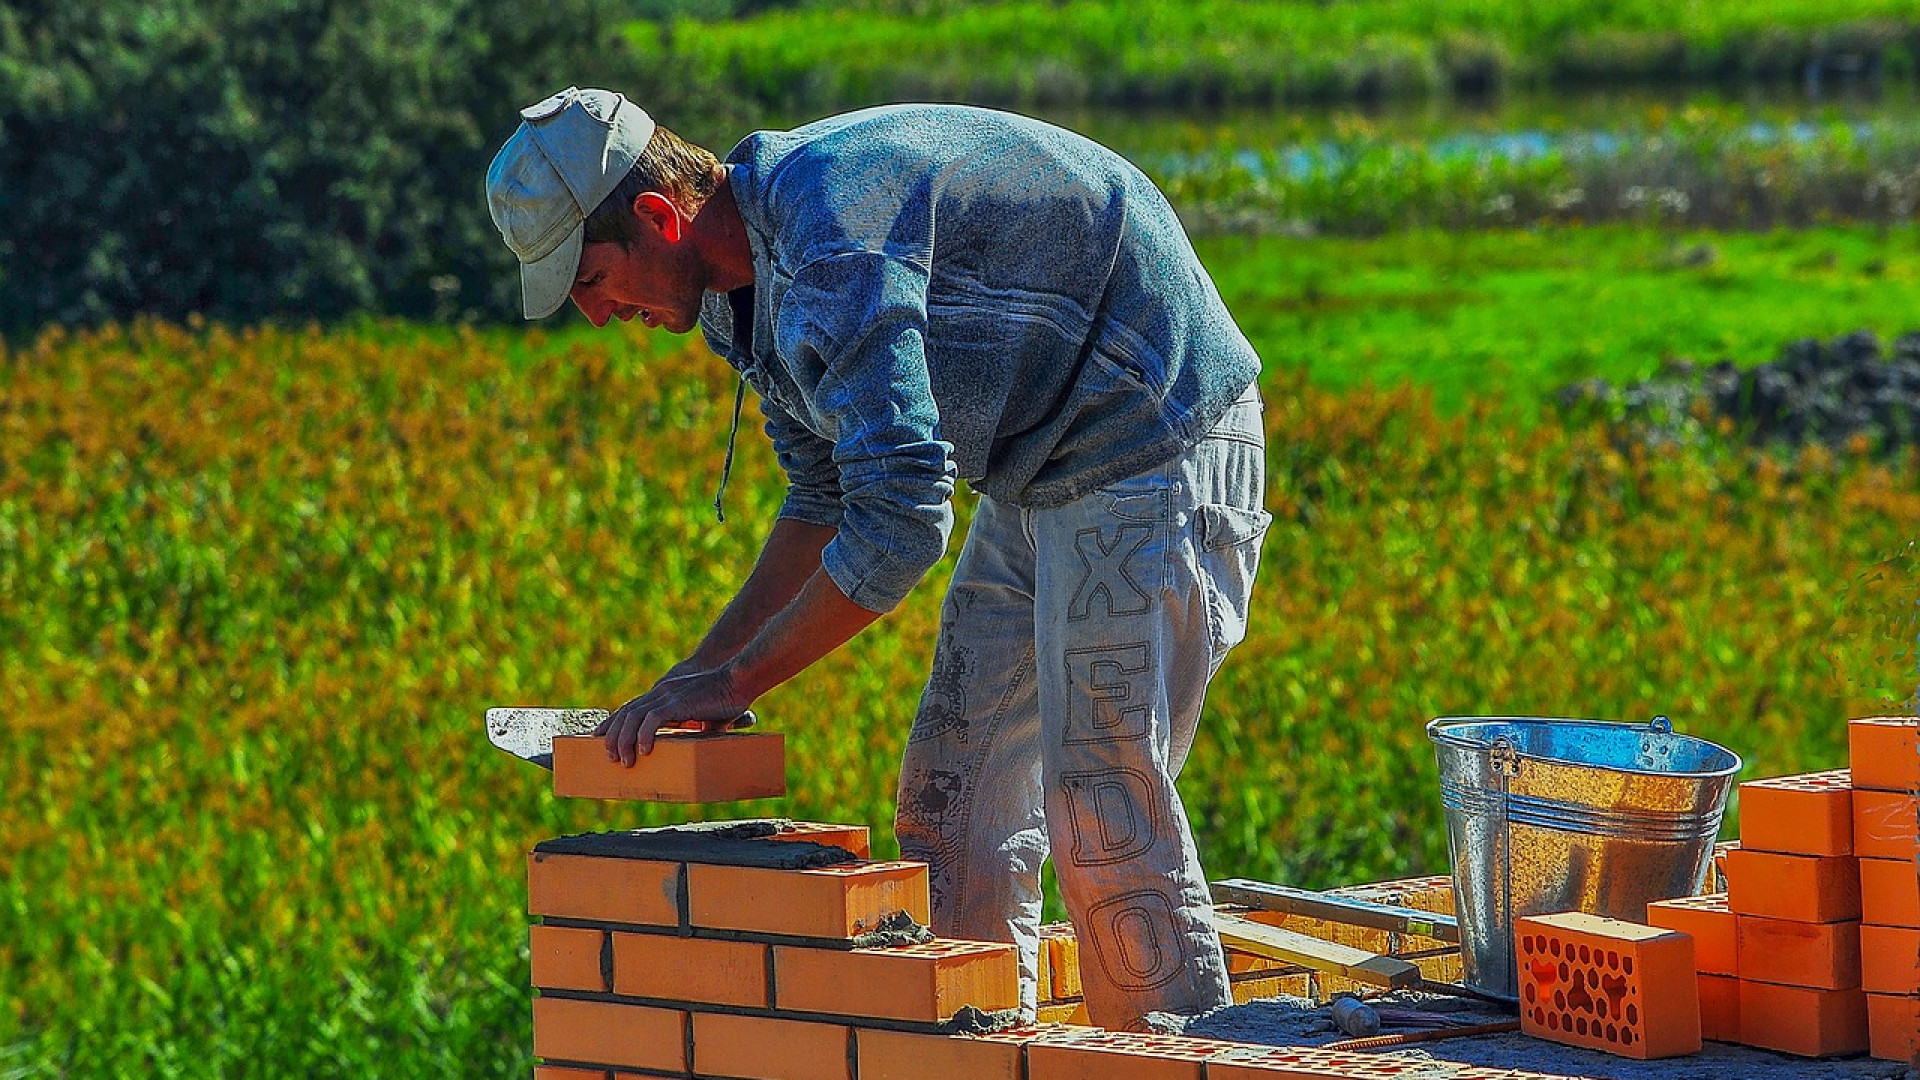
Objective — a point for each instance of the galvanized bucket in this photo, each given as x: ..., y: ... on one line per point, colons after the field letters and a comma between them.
x: 1547, y: 815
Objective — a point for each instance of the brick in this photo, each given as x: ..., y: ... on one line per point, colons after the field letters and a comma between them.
x: 1609, y: 985
x: 898, y: 1055
x: 1094, y: 1054
x: 927, y: 982
x: 854, y: 838
x: 1719, y: 1008
x: 1885, y: 752
x: 684, y: 767
x: 1072, y: 1013
x: 569, y: 958
x: 610, y: 1033
x: 636, y: 891
x: 1306, y: 1063
x: 1890, y: 892
x: 1884, y: 825
x: 1804, y: 1021
x: 1803, y: 888
x: 1807, y: 814
x: 1063, y: 959
x: 1893, y: 1027
x: 1718, y: 878
x: 1709, y: 921
x: 1043, y: 989
x: 1824, y: 956
x: 826, y: 902
x: 764, y: 1048
x: 559, y: 1072
x: 1262, y: 986
x: 1890, y: 959
x: 700, y: 970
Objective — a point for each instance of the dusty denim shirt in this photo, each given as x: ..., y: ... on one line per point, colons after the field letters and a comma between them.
x: 943, y: 291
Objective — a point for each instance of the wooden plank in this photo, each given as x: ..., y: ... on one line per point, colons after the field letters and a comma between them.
x: 1341, y: 909
x: 1309, y: 952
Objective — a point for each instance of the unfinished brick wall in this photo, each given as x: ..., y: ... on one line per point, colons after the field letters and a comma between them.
x: 1886, y: 802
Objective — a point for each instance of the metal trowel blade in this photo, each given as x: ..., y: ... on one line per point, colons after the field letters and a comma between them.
x: 528, y: 733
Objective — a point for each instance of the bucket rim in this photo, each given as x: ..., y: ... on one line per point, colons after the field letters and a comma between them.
x: 1437, y: 731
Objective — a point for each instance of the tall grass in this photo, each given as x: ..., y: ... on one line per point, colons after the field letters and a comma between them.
x: 1213, y: 52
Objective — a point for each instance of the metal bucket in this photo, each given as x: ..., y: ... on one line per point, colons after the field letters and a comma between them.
x: 1547, y: 815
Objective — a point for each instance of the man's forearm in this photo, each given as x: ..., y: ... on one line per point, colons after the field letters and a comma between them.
x: 789, y: 559
x: 819, y: 620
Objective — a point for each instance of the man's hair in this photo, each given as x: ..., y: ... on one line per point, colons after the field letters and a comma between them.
x: 671, y: 166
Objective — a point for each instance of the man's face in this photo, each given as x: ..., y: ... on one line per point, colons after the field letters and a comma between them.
x: 657, y: 277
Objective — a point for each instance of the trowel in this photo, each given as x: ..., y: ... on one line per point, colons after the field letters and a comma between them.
x: 528, y: 733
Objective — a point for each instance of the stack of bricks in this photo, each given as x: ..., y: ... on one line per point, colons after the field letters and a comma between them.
x: 1886, y: 779
x: 1794, y: 890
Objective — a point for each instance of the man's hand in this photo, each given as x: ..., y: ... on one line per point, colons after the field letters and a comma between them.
x: 704, y: 700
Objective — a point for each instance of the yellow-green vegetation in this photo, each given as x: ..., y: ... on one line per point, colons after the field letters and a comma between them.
x: 1029, y: 52
x: 260, y: 586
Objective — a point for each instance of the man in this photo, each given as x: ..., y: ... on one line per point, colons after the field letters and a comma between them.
x: 925, y: 293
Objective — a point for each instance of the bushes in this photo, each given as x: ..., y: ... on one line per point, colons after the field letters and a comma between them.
x: 306, y: 158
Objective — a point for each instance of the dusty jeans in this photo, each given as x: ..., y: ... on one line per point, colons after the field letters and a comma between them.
x: 1075, y: 648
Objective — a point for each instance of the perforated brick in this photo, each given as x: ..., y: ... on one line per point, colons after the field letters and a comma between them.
x: 1063, y: 959
x: 1803, y: 1021
x: 827, y: 902
x: 764, y: 1048
x: 1610, y: 985
x: 895, y: 1055
x: 1890, y: 892
x: 1119, y: 1055
x: 683, y: 767
x: 599, y: 889
x: 699, y: 970
x: 1824, y: 956
x: 1305, y: 1063
x: 1893, y: 1027
x: 1709, y: 921
x: 1801, y: 888
x: 1719, y: 1008
x: 1885, y: 824
x: 1890, y: 959
x: 1885, y: 752
x: 1807, y: 814
x: 609, y: 1033
x: 569, y: 958
x: 927, y: 982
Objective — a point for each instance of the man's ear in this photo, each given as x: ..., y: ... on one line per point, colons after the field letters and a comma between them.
x: 658, y: 211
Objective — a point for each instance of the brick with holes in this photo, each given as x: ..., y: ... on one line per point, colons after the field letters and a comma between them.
x: 1803, y: 1020
x: 1610, y: 985
x: 1094, y: 1054
x: 900, y: 1055
x: 1709, y: 921
x: 1805, y: 814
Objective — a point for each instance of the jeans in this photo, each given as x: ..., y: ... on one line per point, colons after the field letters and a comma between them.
x: 1075, y: 648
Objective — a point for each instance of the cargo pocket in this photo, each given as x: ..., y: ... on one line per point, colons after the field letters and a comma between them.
x: 1228, y: 539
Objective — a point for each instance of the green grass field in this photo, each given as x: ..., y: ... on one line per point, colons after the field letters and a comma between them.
x: 260, y: 586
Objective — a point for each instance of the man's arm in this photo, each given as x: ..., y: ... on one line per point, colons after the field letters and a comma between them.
x: 790, y: 557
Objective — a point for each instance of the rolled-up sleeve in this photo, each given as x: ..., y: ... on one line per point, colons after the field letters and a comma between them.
x: 853, y: 326
x: 813, y: 481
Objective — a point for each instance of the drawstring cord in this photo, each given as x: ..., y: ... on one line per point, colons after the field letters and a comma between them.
x: 726, y: 469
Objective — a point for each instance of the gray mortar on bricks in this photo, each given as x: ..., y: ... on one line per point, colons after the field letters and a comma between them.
x: 1291, y: 1021
x: 726, y: 843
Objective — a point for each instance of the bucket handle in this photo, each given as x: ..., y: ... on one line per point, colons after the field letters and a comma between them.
x: 1503, y: 758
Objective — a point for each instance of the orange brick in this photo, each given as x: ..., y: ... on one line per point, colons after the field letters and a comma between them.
x: 826, y: 902
x: 684, y: 767
x: 1885, y: 752
x: 927, y: 982
x: 1063, y: 959
x: 1807, y: 814
x: 569, y: 958
x: 1803, y: 1021
x: 600, y: 889
x: 1825, y: 956
x: 608, y: 1033
x: 1073, y: 1013
x: 1719, y: 1008
x: 899, y: 1055
x: 1893, y: 1027
x: 558, y: 1072
x: 1615, y: 986
x: 690, y: 969
x: 1094, y: 1054
x: 1718, y: 879
x: 1890, y: 892
x: 1803, y: 888
x: 1709, y: 922
x: 1884, y: 825
x: 1890, y: 959
x: 763, y: 1048
x: 1044, y: 969
x: 854, y: 838
x: 1263, y: 986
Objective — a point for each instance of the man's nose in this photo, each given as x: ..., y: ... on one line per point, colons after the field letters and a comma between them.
x: 597, y: 314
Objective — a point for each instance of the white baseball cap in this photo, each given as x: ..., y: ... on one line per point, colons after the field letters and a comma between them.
x: 568, y: 154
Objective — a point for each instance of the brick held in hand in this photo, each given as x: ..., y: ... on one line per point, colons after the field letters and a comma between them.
x: 1805, y: 814
x: 684, y: 767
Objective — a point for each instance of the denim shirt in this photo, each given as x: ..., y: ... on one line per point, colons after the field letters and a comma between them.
x: 943, y: 291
